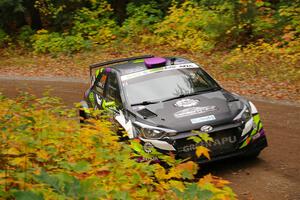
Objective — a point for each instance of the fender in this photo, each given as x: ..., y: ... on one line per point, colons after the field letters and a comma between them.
x: 126, y: 125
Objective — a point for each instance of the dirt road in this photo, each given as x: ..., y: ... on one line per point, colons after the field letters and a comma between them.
x: 274, y: 175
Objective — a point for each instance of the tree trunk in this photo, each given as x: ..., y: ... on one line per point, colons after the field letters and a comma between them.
x: 32, y: 15
x: 119, y: 7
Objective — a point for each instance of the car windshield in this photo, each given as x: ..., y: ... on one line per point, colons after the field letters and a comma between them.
x: 167, y: 84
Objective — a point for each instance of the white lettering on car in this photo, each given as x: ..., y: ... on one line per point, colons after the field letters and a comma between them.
x: 154, y: 70
x: 203, y: 119
x: 216, y: 142
x: 194, y: 111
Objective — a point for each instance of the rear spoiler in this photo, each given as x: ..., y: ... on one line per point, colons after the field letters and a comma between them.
x: 102, y: 64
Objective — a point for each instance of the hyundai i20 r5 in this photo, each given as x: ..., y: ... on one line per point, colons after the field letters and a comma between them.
x: 162, y: 101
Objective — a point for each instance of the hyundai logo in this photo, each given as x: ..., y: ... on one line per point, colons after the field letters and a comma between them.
x: 148, y: 147
x: 206, y: 128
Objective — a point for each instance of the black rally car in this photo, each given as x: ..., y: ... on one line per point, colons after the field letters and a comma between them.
x: 162, y: 100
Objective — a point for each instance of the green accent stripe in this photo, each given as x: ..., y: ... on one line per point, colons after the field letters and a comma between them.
x: 92, y: 98
x: 257, y: 122
x: 138, y: 61
x: 244, y: 144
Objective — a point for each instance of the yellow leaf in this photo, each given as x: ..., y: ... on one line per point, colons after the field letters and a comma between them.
x: 19, y: 161
x: 218, y: 182
x: 160, y: 173
x: 3, y: 175
x: 42, y: 154
x: 177, y: 184
x: 190, y: 166
x: 206, y: 179
x: 221, y: 182
x: 202, y: 151
x: 13, y: 151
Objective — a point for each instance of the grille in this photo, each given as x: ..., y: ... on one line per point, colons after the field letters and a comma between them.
x: 225, y: 141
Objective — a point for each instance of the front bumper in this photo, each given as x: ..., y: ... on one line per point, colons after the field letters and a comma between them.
x: 246, y: 139
x: 251, y: 149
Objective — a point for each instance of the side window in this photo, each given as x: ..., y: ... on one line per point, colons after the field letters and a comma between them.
x: 100, y: 82
x: 113, y: 90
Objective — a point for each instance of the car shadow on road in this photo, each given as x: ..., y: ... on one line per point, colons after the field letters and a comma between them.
x: 230, y: 166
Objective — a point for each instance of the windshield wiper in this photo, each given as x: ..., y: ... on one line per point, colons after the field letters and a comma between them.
x: 144, y: 103
x: 192, y: 94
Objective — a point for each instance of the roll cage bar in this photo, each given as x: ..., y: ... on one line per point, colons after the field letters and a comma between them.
x: 102, y: 64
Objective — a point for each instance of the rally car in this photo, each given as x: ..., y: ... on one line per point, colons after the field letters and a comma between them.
x: 163, y: 100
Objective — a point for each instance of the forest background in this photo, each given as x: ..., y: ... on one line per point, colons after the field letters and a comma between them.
x: 250, y: 46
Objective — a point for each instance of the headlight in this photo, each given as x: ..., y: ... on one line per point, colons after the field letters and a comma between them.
x: 152, y: 132
x: 245, y: 115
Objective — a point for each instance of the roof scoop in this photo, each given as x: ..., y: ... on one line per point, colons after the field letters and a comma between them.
x: 155, y: 62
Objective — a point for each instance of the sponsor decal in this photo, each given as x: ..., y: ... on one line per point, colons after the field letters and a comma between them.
x: 194, y: 111
x: 186, y: 103
x: 150, y: 71
x: 216, y: 142
x: 148, y: 147
x: 102, y: 81
x: 206, y: 128
x: 203, y: 119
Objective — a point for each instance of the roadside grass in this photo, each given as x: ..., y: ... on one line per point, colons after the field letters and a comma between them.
x: 257, y: 70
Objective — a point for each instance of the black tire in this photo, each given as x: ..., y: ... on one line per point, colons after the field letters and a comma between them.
x: 82, y: 116
x: 253, y: 155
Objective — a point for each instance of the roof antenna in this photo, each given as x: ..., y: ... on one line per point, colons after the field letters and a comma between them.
x: 172, y: 61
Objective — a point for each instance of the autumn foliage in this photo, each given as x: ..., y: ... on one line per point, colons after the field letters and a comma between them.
x: 252, y: 47
x: 47, y: 154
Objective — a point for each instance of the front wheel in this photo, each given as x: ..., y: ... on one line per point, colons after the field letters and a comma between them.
x: 253, y: 154
x: 82, y: 116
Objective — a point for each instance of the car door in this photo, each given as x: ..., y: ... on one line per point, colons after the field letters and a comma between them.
x: 106, y: 95
x: 105, y: 92
x: 113, y: 102
x: 97, y: 92
x: 112, y: 98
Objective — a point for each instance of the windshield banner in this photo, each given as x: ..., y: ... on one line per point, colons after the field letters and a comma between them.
x: 154, y: 70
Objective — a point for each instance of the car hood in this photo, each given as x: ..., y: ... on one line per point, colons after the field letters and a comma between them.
x: 189, y: 113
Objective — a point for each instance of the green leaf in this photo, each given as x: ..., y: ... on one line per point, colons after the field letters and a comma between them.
x: 50, y: 180
x: 196, y: 139
x: 205, y: 137
x: 136, y: 146
x: 187, y: 174
x: 81, y: 166
x: 194, y: 192
x: 27, y: 195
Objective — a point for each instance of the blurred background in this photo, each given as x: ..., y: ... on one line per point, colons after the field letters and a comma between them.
x: 254, y: 43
